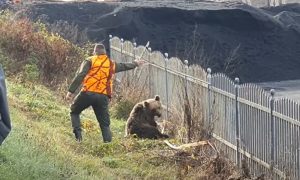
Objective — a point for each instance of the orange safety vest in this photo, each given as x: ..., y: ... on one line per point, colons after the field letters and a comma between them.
x: 100, y: 75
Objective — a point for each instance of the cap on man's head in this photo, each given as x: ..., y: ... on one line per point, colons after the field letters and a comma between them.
x: 99, y: 49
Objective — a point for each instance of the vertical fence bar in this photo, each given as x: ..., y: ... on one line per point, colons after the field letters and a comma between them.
x: 237, y: 123
x: 298, y: 154
x: 209, y: 99
x: 149, y: 71
x: 186, y: 66
x: 167, y: 93
x: 186, y: 101
x: 272, y: 129
x: 122, y: 59
x: 134, y: 50
x: 110, y: 38
x: 135, y: 56
x: 122, y: 47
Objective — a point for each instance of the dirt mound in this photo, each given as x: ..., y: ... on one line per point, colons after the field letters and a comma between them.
x: 254, y: 44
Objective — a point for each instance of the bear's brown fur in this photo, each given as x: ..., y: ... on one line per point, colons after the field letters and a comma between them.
x: 141, y: 119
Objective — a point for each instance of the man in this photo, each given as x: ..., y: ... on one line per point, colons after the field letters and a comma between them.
x: 5, y: 125
x: 96, y: 76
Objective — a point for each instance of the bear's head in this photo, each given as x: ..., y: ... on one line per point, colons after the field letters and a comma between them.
x: 154, y: 106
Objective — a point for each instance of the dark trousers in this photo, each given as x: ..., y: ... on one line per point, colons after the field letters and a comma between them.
x: 99, y: 102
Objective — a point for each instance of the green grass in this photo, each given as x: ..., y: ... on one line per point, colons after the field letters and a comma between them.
x: 41, y: 144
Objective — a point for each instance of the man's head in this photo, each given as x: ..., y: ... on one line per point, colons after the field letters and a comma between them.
x: 99, y: 49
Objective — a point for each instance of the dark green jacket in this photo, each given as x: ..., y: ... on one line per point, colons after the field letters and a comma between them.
x: 85, y: 67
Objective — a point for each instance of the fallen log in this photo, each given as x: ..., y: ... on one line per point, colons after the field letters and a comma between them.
x: 189, y: 145
x: 184, y: 146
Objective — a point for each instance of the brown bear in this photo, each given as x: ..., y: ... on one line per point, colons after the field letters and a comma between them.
x: 141, y: 119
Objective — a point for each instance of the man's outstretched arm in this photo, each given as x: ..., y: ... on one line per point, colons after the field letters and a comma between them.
x: 128, y: 65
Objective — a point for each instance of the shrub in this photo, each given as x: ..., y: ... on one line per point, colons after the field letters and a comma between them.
x: 4, y: 61
x: 122, y: 109
x: 31, y: 71
x: 22, y: 41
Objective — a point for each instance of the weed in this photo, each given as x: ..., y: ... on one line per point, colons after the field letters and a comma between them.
x: 122, y: 109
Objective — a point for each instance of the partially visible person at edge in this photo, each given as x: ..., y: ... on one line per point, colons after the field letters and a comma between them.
x: 5, y: 125
x: 96, y: 76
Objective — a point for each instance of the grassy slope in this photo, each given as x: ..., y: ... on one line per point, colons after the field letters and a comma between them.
x: 41, y: 144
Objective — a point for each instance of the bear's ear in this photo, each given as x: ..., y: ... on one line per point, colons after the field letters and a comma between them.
x: 138, y: 107
x: 157, y: 98
x: 146, y: 104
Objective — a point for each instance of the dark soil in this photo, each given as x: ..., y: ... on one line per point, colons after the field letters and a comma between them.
x: 254, y: 44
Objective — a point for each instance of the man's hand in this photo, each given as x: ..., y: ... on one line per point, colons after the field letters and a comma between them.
x: 69, y: 96
x: 139, y: 62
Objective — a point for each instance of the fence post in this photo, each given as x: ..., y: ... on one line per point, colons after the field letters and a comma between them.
x: 134, y: 50
x: 122, y: 60
x: 237, y: 122
x: 209, y: 98
x: 187, y: 107
x: 122, y: 47
x: 186, y: 66
x: 110, y: 38
x: 134, y: 72
x: 298, y: 156
x: 167, y: 89
x: 149, y: 71
x: 272, y: 92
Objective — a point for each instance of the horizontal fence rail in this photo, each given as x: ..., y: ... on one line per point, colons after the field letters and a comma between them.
x: 247, y: 122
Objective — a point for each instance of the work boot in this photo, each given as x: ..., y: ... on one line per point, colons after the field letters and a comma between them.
x: 106, y: 134
x: 77, y: 135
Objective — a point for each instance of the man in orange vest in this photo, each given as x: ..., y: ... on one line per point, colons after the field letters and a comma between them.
x: 96, y: 76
